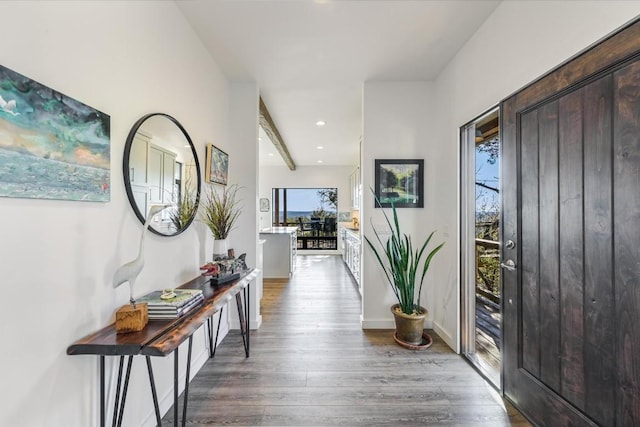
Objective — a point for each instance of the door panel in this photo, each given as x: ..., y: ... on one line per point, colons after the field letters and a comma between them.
x: 599, y: 327
x: 531, y: 332
x: 571, y: 238
x: 548, y: 225
x: 626, y: 207
x: 571, y: 195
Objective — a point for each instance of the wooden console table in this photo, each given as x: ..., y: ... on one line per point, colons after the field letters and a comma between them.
x: 163, y: 337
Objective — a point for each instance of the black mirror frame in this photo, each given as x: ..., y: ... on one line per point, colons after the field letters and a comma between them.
x: 127, y: 177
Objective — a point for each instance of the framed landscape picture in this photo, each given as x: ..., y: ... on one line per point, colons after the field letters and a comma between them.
x: 217, y: 165
x: 399, y: 181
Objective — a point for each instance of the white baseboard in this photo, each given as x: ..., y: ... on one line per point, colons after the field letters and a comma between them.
x: 446, y: 336
x: 254, y: 323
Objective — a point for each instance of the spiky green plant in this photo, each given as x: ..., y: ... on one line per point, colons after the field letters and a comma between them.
x: 186, y: 209
x: 401, y: 262
x: 220, y: 211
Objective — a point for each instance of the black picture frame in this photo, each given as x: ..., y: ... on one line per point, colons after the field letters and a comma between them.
x: 399, y: 181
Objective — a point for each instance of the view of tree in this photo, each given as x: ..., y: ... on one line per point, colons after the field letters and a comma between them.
x: 492, y: 148
x: 388, y: 179
x: 328, y: 196
x: 488, y: 216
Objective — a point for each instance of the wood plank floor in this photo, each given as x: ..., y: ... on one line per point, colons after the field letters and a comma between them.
x: 487, y: 356
x: 312, y: 365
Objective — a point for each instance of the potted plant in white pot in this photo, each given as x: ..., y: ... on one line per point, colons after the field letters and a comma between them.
x: 220, y: 211
x: 405, y: 267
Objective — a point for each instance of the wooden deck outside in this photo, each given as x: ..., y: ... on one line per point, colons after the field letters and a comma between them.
x: 488, y: 314
x: 488, y: 320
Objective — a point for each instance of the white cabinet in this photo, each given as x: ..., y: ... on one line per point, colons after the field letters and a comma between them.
x: 152, y: 175
x: 356, y: 188
x: 161, y: 173
x: 351, y: 253
x: 138, y: 171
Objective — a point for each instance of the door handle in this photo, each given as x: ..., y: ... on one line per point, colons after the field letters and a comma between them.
x: 508, y: 265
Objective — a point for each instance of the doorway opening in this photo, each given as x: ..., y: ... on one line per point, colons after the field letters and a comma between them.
x: 313, y: 211
x: 480, y: 235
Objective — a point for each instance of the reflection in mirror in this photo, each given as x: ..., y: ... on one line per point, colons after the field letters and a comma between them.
x: 161, y: 166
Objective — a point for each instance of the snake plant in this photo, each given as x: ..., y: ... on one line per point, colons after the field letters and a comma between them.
x: 401, y: 262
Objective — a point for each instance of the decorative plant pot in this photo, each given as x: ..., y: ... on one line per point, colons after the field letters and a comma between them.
x: 409, y: 327
x: 220, y: 248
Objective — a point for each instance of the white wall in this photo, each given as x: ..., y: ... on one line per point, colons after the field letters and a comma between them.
x: 243, y: 170
x: 518, y: 43
x: 58, y: 257
x: 399, y: 118
x: 305, y: 177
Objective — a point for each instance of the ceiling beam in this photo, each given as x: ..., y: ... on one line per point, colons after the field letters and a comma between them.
x: 271, y: 130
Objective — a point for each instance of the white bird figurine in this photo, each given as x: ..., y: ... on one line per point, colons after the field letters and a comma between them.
x: 129, y: 271
x: 8, y: 107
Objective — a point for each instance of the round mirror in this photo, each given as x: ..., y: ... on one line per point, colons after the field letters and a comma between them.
x: 161, y: 167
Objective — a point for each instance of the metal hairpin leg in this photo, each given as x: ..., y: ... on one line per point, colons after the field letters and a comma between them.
x: 243, y: 315
x: 118, y: 414
x: 154, y: 393
x: 213, y: 344
x: 209, y: 334
x: 186, y: 385
x: 116, y: 405
x: 102, y: 394
x: 175, y: 386
x: 248, y: 314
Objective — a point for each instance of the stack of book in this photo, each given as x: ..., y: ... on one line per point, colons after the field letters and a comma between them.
x: 171, y: 306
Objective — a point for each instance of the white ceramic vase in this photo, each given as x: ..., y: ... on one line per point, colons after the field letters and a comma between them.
x: 220, y: 248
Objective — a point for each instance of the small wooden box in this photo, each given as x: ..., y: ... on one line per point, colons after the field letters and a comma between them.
x: 129, y: 319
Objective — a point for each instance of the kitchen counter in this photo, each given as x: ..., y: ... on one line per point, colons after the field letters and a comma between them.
x: 279, y: 251
x: 279, y: 230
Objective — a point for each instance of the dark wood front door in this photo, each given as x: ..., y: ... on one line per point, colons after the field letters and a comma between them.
x: 571, y: 194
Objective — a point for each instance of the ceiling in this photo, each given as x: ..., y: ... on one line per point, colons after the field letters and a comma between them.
x: 311, y: 58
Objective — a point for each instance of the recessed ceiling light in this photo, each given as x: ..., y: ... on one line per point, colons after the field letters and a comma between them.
x: 320, y: 147
x: 321, y: 123
x: 260, y: 139
x: 319, y: 161
x: 271, y: 154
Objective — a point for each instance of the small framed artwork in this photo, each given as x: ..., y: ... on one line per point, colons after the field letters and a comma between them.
x: 264, y: 205
x: 217, y: 165
x: 399, y: 181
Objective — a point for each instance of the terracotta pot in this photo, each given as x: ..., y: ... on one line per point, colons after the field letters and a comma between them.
x: 409, y: 328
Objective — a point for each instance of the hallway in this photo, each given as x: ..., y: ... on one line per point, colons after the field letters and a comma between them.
x: 312, y: 365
